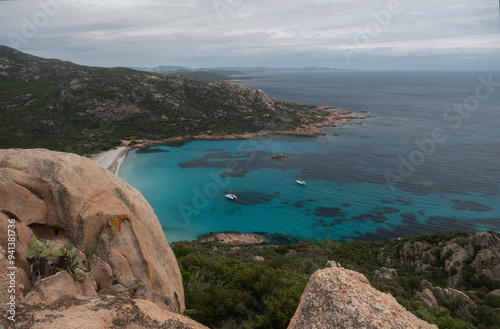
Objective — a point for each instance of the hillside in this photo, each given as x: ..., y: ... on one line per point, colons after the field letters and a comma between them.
x: 448, y: 279
x: 62, y: 106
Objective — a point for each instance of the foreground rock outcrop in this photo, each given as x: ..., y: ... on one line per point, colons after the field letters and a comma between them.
x: 100, y: 312
x: 341, y: 298
x: 67, y: 198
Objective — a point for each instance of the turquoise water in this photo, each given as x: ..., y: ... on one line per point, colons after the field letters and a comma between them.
x: 348, y: 195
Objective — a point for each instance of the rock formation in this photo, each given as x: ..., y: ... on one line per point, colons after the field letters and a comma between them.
x: 100, y: 312
x: 495, y: 292
x: 443, y: 297
x: 483, y: 248
x: 385, y: 275
x: 67, y: 198
x: 426, y: 297
x: 235, y: 239
x: 279, y: 156
x: 341, y: 298
x: 487, y: 261
x: 332, y: 263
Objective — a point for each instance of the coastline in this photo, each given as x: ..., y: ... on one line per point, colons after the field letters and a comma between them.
x: 248, y: 239
x: 335, y: 118
x: 112, y: 159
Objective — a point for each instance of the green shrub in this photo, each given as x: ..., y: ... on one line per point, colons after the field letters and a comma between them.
x: 47, y: 260
x: 265, y: 294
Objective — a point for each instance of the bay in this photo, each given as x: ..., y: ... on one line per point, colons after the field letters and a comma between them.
x: 428, y: 161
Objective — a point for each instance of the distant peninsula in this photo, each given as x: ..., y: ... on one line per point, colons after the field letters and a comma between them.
x: 62, y: 106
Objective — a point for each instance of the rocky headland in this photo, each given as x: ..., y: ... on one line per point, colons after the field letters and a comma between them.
x: 86, y: 110
x: 112, y: 159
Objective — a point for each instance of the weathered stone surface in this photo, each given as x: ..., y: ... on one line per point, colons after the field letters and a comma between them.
x: 101, y: 272
x: 449, y: 296
x: 54, y: 287
x: 22, y: 232
x: 487, y: 262
x: 486, y: 240
x: 454, y: 261
x: 5, y: 280
x: 98, y: 312
x: 66, y: 197
x: 482, y: 247
x: 88, y: 287
x: 340, y: 298
x: 495, y: 292
x: 427, y: 297
x: 414, y: 248
x: 115, y: 290
x: 386, y: 275
x: 332, y: 263
x: 236, y: 238
x: 61, y: 284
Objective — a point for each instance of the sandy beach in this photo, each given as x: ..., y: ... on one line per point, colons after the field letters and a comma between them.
x: 112, y: 159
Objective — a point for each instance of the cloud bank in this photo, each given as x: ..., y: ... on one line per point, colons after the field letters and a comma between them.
x: 377, y: 34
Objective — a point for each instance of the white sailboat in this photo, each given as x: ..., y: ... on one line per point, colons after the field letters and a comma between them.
x: 301, y: 182
x: 230, y: 195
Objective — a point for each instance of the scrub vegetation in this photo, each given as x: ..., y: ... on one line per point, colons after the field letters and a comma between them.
x: 62, y: 106
x: 226, y: 287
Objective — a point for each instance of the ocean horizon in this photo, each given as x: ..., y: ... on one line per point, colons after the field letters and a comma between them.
x: 428, y: 160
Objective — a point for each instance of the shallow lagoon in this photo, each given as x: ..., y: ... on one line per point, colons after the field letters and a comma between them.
x: 348, y: 194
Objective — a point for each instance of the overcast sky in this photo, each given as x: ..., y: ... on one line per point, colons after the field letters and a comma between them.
x: 374, y: 34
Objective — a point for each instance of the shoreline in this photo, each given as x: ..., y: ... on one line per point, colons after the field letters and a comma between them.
x: 113, y: 159
x: 336, y: 118
x: 248, y: 239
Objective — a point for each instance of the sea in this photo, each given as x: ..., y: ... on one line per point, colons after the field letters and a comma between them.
x: 427, y: 159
